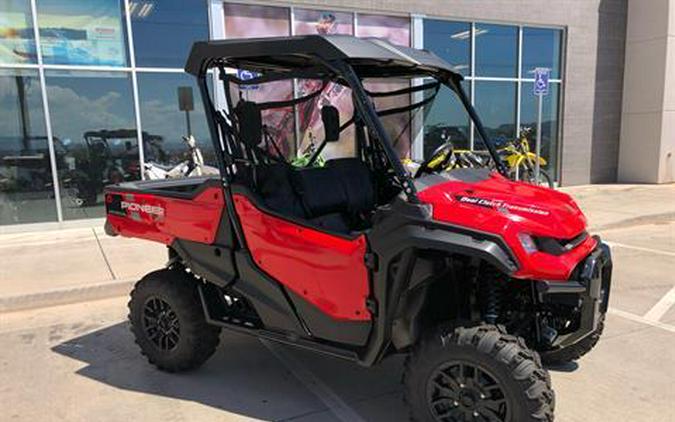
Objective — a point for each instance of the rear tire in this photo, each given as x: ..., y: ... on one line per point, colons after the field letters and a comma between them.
x: 168, y: 322
x: 545, y: 179
x: 574, y: 352
x: 478, y: 373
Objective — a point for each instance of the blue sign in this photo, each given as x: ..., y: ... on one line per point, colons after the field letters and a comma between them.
x: 541, y: 80
x: 246, y: 75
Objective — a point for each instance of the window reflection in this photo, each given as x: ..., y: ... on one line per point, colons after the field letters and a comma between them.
x: 92, y: 116
x: 82, y: 32
x: 496, y: 106
x: 166, y: 119
x: 26, y: 188
x: 17, y: 41
x: 549, y: 122
x: 451, y: 41
x: 541, y: 48
x: 177, y: 23
x: 496, y: 50
x: 310, y: 128
x: 446, y: 120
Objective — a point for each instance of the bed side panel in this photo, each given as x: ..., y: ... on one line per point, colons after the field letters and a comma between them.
x: 162, y: 219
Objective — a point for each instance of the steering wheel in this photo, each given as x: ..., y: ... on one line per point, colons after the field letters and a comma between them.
x: 439, y: 159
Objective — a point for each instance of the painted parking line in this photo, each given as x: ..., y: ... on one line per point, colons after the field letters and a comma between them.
x: 640, y: 319
x: 662, y: 306
x: 639, y: 248
x: 322, y: 391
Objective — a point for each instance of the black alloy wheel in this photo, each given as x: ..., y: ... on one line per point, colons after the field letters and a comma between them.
x: 476, y: 374
x: 168, y: 322
x: 161, y: 324
x: 459, y: 391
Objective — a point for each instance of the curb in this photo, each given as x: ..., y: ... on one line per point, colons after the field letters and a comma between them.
x: 66, y: 296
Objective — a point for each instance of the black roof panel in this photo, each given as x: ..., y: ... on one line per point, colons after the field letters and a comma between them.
x: 370, y: 57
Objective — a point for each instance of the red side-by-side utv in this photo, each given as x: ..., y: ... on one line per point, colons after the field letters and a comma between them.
x: 476, y: 278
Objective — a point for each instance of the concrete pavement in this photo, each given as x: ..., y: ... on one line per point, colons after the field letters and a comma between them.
x: 64, y: 266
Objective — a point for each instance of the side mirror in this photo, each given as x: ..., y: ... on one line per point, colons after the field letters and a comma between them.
x: 331, y: 123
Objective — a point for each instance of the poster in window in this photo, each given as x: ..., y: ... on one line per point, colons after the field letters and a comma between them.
x: 253, y: 21
x: 396, y: 30
x: 311, y: 22
x: 82, y: 32
x: 17, y: 43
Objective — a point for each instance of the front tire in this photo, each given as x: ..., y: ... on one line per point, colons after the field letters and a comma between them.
x: 476, y: 374
x: 168, y: 322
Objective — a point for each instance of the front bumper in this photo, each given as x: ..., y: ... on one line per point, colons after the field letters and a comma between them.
x: 588, y: 291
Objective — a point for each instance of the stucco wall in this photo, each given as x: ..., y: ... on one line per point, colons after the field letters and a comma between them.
x: 648, y: 124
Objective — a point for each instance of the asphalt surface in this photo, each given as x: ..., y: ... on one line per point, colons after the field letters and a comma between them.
x: 79, y: 363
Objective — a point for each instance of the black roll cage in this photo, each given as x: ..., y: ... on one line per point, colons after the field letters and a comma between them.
x: 224, y: 135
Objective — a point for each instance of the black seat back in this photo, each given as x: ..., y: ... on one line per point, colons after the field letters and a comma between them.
x: 344, y: 185
x: 250, y: 123
x: 357, y: 181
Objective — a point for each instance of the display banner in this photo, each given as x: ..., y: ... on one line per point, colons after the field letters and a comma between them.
x: 16, y: 33
x: 72, y: 32
x: 82, y: 32
x: 252, y: 21
x: 310, y: 22
x: 396, y: 30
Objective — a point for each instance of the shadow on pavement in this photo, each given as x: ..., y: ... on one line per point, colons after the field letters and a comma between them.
x: 242, y: 377
x: 563, y: 367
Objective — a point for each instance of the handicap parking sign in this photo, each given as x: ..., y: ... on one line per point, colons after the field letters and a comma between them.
x: 541, y: 79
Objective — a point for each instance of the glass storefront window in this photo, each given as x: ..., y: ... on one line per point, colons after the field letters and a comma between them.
x: 549, y: 122
x: 93, y: 118
x: 446, y: 120
x: 17, y: 40
x: 26, y: 188
x: 495, y: 103
x: 541, y: 48
x: 165, y: 30
x: 82, y: 32
x: 451, y: 41
x: 164, y: 123
x: 496, y: 50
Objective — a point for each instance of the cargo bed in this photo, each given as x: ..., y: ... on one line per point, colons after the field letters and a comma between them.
x: 163, y: 210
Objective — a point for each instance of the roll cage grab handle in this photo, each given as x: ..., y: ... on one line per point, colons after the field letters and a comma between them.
x: 368, y: 114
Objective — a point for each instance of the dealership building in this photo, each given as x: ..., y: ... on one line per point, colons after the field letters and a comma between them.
x: 92, y: 89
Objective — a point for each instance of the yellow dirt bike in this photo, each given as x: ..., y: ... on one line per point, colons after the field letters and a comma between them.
x: 446, y: 157
x: 521, y: 161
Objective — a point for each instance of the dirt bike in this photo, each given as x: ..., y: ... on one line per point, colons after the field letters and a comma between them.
x: 521, y: 161
x: 192, y: 167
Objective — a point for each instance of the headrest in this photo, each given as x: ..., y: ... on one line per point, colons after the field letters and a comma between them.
x: 330, y: 116
x: 250, y: 122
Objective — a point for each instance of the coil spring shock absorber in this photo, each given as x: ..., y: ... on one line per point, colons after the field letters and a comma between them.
x: 491, y: 286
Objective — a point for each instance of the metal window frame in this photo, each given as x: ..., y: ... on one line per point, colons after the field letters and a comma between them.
x: 47, y: 115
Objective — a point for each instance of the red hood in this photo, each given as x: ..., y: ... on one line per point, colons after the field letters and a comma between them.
x: 491, y: 203
x: 499, y: 203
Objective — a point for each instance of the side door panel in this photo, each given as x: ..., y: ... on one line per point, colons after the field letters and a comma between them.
x: 326, y: 270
